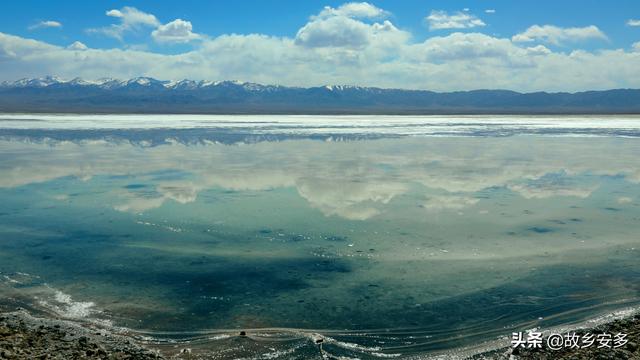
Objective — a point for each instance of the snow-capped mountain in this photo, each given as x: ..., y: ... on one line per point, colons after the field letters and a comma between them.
x: 146, y: 94
x: 110, y: 83
x: 36, y: 82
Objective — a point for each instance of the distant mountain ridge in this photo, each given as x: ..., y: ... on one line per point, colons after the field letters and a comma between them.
x: 149, y: 95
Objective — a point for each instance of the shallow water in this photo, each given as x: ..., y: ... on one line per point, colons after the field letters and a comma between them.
x: 387, y: 242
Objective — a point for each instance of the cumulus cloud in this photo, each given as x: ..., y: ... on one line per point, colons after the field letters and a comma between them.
x: 342, y: 31
x: 335, y: 31
x: 454, y: 62
x: 177, y: 31
x: 439, y: 20
x: 557, y: 35
x: 633, y: 22
x: 77, y: 45
x: 45, y: 24
x: 342, y: 27
x: 349, y: 44
x: 461, y: 46
x: 131, y: 19
x: 361, y: 10
x: 490, y: 11
x: 538, y: 50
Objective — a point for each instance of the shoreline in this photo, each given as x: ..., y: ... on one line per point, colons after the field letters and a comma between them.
x: 25, y: 336
x: 628, y: 324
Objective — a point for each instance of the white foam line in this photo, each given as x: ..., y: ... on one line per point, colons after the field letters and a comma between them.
x: 375, y: 124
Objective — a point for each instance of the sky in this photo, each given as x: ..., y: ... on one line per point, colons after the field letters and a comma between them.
x: 436, y: 45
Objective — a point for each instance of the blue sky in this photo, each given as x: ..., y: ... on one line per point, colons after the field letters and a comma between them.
x: 440, y: 45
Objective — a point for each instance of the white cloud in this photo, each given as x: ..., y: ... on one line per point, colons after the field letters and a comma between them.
x: 45, y: 24
x: 77, y: 45
x: 333, y: 49
x: 556, y: 35
x: 177, y: 31
x: 338, y: 31
x: 636, y: 46
x: 131, y: 19
x: 462, y: 47
x: 454, y: 62
x: 362, y: 10
x: 340, y: 28
x: 538, y: 50
x: 633, y: 22
x: 439, y: 20
x: 131, y: 16
x: 490, y: 11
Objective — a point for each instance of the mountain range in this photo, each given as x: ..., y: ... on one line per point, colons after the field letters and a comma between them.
x: 148, y: 95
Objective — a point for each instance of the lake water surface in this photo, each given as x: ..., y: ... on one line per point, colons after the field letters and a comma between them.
x: 390, y: 236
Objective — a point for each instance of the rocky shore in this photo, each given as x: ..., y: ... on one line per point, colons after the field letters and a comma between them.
x: 631, y: 350
x: 23, y: 336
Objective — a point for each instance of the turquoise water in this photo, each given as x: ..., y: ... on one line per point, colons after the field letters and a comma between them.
x: 387, y: 244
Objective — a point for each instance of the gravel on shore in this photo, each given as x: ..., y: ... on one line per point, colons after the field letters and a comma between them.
x: 631, y: 350
x: 23, y: 336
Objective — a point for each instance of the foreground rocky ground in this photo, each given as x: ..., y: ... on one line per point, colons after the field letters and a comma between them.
x: 23, y: 336
x: 26, y: 337
x: 631, y: 350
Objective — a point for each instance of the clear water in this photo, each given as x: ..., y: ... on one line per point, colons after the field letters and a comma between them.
x: 389, y: 243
